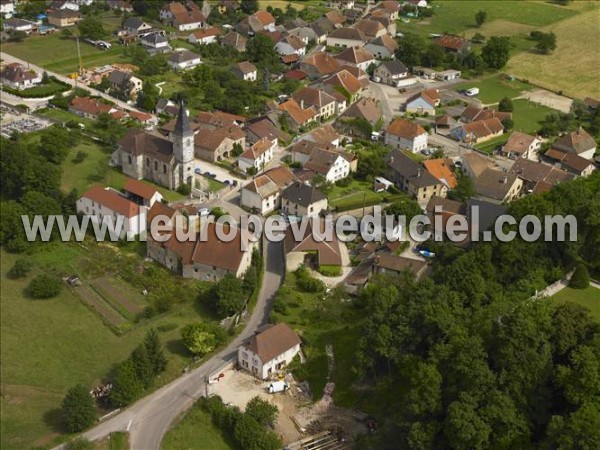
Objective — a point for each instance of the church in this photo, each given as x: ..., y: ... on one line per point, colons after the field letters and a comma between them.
x: 166, y: 162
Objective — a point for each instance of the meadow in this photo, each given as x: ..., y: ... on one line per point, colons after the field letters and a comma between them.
x: 589, y: 297
x: 195, y: 430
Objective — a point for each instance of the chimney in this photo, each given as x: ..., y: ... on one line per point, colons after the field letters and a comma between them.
x: 505, y: 180
x: 419, y: 173
x: 301, y: 104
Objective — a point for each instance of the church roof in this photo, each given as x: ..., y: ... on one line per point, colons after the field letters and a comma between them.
x: 182, y: 126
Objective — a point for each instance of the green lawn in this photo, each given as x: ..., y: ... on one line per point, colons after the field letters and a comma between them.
x: 589, y: 297
x: 496, y: 87
x: 459, y: 16
x: 489, y: 146
x: 60, y: 55
x: 527, y: 115
x: 357, y: 194
x: 195, y: 431
x: 48, y: 89
x: 50, y: 345
x: 320, y: 321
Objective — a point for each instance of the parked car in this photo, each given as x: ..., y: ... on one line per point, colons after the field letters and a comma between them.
x: 203, y: 212
x: 212, y: 175
x: 197, y: 171
x: 227, y: 182
x: 206, y: 174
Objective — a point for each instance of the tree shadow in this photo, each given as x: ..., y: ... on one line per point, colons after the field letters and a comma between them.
x: 53, y: 418
x: 176, y: 347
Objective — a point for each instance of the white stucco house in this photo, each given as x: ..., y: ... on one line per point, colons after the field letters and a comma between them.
x: 184, y: 60
x: 406, y: 135
x: 271, y: 349
x: 257, y: 156
x: 99, y: 203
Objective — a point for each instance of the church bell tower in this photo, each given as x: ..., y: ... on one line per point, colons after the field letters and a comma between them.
x: 183, y: 146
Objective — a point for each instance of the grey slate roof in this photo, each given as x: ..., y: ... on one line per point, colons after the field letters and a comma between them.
x: 302, y: 194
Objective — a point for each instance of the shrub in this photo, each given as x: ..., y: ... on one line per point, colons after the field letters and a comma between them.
x: 184, y: 189
x: 330, y: 271
x: 306, y: 282
x: 20, y: 269
x: 78, y: 409
x: 79, y: 157
x: 44, y: 286
x: 580, y: 278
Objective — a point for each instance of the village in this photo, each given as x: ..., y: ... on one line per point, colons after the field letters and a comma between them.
x: 192, y: 110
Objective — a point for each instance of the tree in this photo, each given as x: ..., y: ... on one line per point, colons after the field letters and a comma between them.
x: 434, y: 56
x: 479, y: 38
x: 411, y: 49
x: 155, y: 352
x: 237, y: 149
x: 546, y: 42
x: 249, y: 6
x: 505, y: 105
x: 202, y: 337
x: 79, y: 443
x: 408, y: 208
x: 508, y: 123
x: 229, y: 295
x: 79, y: 410
x: 480, y: 17
x: 142, y: 365
x: 20, y: 268
x: 147, y: 97
x: 44, y: 286
x: 260, y: 50
x: 251, y: 436
x: 464, y: 189
x: 91, y: 27
x: 264, y: 412
x: 580, y: 278
x: 126, y: 385
x: 16, y: 35
x: 496, y: 52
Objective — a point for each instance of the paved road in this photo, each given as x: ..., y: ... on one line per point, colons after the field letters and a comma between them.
x: 150, y: 418
x: 11, y: 59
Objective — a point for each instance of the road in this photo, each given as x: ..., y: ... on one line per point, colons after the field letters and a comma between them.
x: 150, y: 418
x: 8, y: 59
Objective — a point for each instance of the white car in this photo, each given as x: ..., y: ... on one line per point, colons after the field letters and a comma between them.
x: 203, y: 212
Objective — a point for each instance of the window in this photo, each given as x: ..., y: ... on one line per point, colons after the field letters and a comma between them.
x: 164, y: 168
x: 147, y: 162
x: 155, y: 165
x: 129, y: 158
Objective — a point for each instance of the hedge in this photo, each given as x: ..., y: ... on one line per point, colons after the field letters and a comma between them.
x: 45, y: 90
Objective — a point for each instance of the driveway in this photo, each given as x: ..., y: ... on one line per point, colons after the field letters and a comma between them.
x: 149, y: 418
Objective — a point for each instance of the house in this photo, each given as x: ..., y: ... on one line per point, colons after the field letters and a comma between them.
x: 410, y: 177
x: 453, y: 44
x: 207, y: 257
x: 382, y: 47
x: 120, y: 5
x: 263, y: 128
x: 478, y: 131
x: 404, y: 134
x: 394, y: 73
x: 7, y: 8
x: 447, y: 75
x: 255, y: 23
x: 305, y: 33
x: 216, y: 145
x: 148, y: 120
x: 319, y: 64
x: 578, y: 142
x: 538, y: 177
x: 424, y: 72
x: 474, y: 112
x: 341, y: 4
x: 324, y: 103
x: 388, y: 263
x: 64, y: 18
x: 442, y: 169
x: 423, y: 102
x: 571, y: 162
x: 235, y: 40
x: 205, y: 36
x: 497, y: 186
x: 168, y: 163
x: 321, y: 29
x: 270, y: 350
x: 155, y: 43
x: 99, y: 203
x: 135, y: 25
x: 17, y: 24
x: 245, y: 70
x: 291, y: 45
x: 371, y: 28
x: 521, y: 145
x: 125, y: 82
x: 445, y: 121
x: 325, y: 137
x: 346, y: 37
x: 183, y: 17
x: 263, y: 193
x: 299, y: 114
x: 352, y: 15
x: 367, y: 109
x: 141, y: 193
x: 390, y: 7
x: 384, y: 20
x: 302, y: 200
x: 166, y: 106
x: 357, y: 57
x: 344, y: 82
x: 183, y: 60
x: 90, y: 108
x: 16, y: 76
x: 257, y: 156
x: 332, y: 165
x: 591, y: 103
x: 474, y: 164
x: 322, y: 253
x: 63, y: 5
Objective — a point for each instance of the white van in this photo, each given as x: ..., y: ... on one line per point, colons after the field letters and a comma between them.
x: 277, y: 386
x: 472, y: 92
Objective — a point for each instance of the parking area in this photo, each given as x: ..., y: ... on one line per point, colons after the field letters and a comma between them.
x: 12, y: 120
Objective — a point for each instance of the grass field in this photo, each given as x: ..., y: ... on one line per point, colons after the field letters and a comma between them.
x: 50, y: 345
x: 458, y: 17
x: 60, y: 55
x: 589, y: 297
x: 574, y: 67
x: 357, y: 194
x: 195, y: 431
x: 495, y: 87
x: 527, y: 115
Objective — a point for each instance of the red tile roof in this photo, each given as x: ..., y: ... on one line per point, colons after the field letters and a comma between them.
x: 113, y: 201
x: 140, y: 188
x: 406, y: 129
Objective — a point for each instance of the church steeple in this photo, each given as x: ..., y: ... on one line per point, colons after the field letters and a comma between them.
x: 182, y: 126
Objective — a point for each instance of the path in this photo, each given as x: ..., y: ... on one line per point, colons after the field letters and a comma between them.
x: 149, y: 418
